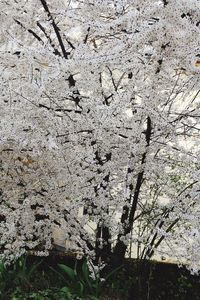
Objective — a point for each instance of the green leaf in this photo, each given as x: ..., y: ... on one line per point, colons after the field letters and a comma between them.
x: 80, y: 288
x: 86, y: 275
x: 34, y: 268
x: 65, y: 290
x: 69, y: 271
x: 85, y: 270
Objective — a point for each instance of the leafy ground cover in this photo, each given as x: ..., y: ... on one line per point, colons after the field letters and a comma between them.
x: 59, y: 278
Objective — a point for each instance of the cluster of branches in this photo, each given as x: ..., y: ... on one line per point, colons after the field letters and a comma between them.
x: 100, y: 107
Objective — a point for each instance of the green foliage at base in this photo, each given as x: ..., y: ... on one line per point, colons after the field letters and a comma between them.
x: 49, y: 279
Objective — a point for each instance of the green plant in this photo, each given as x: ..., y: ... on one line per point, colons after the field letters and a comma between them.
x: 3, y: 280
x: 49, y: 294
x: 16, y: 275
x: 21, y: 272
x: 184, y: 285
x: 79, y: 282
x: 84, y: 282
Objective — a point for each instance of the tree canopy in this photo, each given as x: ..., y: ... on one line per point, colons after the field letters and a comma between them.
x: 100, y: 127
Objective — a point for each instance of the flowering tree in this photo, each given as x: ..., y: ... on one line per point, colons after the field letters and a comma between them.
x: 99, y: 126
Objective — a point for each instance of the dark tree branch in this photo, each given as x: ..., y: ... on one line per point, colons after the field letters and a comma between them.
x: 153, y: 244
x: 30, y: 31
x: 86, y: 37
x: 120, y: 248
x: 56, y: 52
x: 150, y: 253
x: 56, y: 29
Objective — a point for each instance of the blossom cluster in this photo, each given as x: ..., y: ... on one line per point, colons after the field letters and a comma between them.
x: 100, y: 126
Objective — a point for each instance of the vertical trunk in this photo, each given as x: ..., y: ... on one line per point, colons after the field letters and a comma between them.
x: 129, y: 214
x: 103, y: 252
